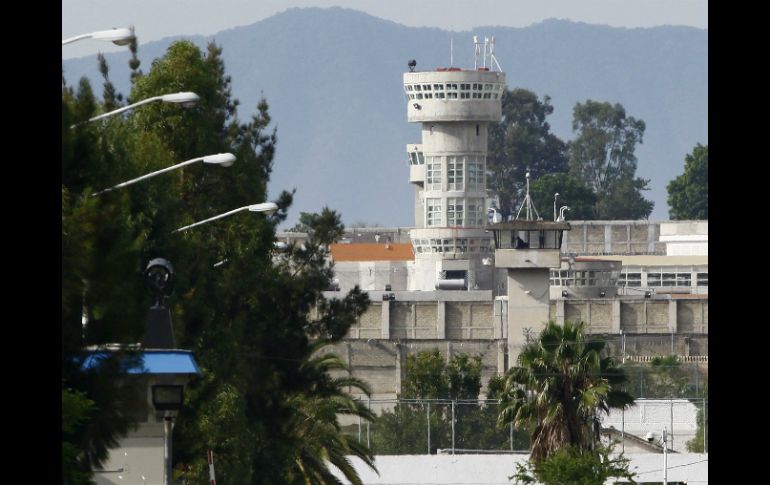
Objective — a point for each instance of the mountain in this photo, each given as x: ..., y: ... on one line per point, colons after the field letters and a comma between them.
x: 333, y: 80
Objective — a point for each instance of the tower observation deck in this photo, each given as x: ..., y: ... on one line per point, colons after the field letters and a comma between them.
x: 453, y: 249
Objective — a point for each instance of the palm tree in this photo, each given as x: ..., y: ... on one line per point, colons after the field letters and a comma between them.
x: 560, y: 387
x: 319, y: 440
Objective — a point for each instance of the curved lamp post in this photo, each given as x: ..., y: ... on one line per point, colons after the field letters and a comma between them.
x: 186, y: 98
x: 116, y: 36
x: 223, y: 159
x: 268, y: 207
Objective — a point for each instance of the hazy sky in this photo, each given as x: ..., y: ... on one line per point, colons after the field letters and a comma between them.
x: 155, y: 19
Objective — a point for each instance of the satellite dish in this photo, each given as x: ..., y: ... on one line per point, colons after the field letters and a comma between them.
x: 412, y: 64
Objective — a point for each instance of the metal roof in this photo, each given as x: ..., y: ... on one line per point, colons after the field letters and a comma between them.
x: 155, y: 362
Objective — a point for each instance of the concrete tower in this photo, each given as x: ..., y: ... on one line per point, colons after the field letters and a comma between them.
x: 452, y: 248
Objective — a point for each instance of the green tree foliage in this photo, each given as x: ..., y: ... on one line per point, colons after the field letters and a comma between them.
x: 572, y: 193
x: 559, y: 387
x: 253, y: 321
x: 430, y: 386
x: 522, y: 141
x: 602, y: 157
x: 688, y: 194
x: 699, y: 443
x: 662, y: 378
x: 574, y: 466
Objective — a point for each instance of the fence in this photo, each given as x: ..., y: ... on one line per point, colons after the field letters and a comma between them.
x: 665, y: 378
x: 431, y: 426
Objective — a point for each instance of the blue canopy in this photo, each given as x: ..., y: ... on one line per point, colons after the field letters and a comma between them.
x: 155, y: 362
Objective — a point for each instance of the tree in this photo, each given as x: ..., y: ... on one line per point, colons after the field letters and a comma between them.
x: 688, y: 194
x: 572, y: 193
x: 602, y: 157
x: 316, y: 430
x: 522, y: 141
x: 560, y: 387
x: 251, y: 321
x: 430, y: 386
x: 573, y: 466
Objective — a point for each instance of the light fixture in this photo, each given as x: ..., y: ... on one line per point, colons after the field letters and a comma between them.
x: 266, y: 207
x: 187, y: 99
x: 417, y: 106
x: 120, y: 36
x: 602, y: 294
x: 167, y: 397
x: 564, y: 293
x: 223, y: 159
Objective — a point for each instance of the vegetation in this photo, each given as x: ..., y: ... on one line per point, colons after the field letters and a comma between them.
x: 594, y: 174
x: 573, y: 466
x: 254, y: 317
x: 559, y: 389
x: 428, y: 376
x: 602, y: 157
x: 522, y: 141
x: 688, y: 194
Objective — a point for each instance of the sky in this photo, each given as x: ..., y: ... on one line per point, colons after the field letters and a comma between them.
x: 156, y: 19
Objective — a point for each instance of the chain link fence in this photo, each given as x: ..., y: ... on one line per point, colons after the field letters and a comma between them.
x: 435, y: 426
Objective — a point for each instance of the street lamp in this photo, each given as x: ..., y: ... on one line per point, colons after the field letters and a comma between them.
x: 223, y: 159
x: 117, y: 36
x: 167, y: 398
x: 267, y: 207
x: 186, y: 98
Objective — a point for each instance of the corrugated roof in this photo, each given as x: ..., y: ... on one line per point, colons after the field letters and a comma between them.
x: 155, y: 362
x: 372, y: 252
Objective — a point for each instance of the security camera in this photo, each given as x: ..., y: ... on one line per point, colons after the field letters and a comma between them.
x: 650, y: 437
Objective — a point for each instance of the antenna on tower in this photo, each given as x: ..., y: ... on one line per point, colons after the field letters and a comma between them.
x: 476, y: 51
x: 529, y: 204
x: 451, y: 49
x: 492, y: 57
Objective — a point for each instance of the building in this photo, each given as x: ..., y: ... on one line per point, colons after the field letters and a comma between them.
x: 459, y: 282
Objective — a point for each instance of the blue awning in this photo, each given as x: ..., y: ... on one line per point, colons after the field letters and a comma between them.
x: 155, y: 362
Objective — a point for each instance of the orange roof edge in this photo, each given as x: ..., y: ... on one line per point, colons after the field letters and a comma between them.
x: 372, y: 252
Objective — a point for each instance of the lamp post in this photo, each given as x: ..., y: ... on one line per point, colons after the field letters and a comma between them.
x: 223, y: 159
x: 186, y: 98
x: 167, y: 398
x: 267, y: 207
x: 121, y: 36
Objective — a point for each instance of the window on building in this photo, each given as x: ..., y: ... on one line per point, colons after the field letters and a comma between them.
x: 417, y: 87
x: 465, y: 95
x: 633, y: 279
x: 433, y: 211
x: 703, y: 279
x: 475, y: 210
x: 426, y: 87
x: 475, y: 174
x: 428, y: 95
x: 487, y: 95
x: 465, y: 87
x: 438, y: 87
x: 440, y: 95
x: 455, y: 173
x: 451, y: 95
x: 433, y: 175
x: 408, y: 87
x: 455, y: 212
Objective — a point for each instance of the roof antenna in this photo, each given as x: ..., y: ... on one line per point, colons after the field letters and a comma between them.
x: 451, y: 50
x: 529, y: 204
